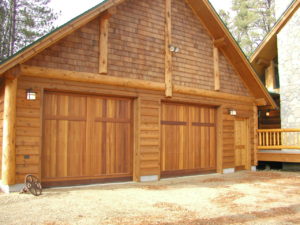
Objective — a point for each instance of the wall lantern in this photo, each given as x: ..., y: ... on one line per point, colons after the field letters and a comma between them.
x: 232, y: 112
x: 173, y: 48
x: 268, y: 113
x: 30, y: 94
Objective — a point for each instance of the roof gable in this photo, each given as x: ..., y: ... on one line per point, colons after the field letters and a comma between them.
x: 202, y: 9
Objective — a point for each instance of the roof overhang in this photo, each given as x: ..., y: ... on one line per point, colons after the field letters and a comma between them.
x: 267, y: 50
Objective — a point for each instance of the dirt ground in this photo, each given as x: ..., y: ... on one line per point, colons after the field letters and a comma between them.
x: 265, y: 197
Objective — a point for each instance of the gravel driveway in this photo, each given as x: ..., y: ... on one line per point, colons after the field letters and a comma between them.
x: 265, y: 197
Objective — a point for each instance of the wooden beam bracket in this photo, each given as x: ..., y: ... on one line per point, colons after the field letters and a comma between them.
x: 219, y: 43
x: 261, y: 102
x: 13, y: 73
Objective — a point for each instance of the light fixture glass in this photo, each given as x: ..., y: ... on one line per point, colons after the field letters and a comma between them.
x: 30, y: 94
x: 268, y: 113
x: 232, y: 112
x: 172, y: 48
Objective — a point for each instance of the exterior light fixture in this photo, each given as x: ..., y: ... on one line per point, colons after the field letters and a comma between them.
x: 173, y: 48
x: 30, y: 94
x: 232, y: 112
x: 268, y: 113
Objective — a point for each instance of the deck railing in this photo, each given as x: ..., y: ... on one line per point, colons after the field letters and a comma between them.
x: 274, y: 139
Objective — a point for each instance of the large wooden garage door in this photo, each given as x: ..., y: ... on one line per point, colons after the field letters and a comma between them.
x: 188, y: 139
x: 86, y: 137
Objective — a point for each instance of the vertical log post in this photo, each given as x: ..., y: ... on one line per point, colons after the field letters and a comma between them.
x: 168, y: 54
x: 255, y: 124
x: 220, y: 139
x: 217, y: 44
x: 8, y: 143
x: 216, y: 68
x: 103, y: 42
x: 137, y: 133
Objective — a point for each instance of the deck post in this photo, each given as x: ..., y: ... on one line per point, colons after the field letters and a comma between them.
x: 8, y: 142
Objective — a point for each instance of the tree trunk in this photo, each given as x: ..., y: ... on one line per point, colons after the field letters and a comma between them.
x: 13, y: 26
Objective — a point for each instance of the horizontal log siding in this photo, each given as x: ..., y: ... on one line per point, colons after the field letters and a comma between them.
x: 193, y: 64
x: 230, y: 81
x: 78, y: 51
x: 1, y: 124
x: 149, y: 136
x: 28, y: 133
x: 136, y: 40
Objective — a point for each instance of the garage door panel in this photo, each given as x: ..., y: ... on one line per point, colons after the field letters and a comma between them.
x: 62, y: 148
x: 188, y: 137
x: 86, y: 136
x: 76, y: 146
x: 75, y: 106
x: 98, y: 150
x: 50, y: 109
x: 117, y: 145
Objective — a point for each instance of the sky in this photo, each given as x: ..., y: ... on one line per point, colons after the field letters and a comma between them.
x: 72, y: 8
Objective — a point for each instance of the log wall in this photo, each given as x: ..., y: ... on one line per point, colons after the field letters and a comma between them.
x: 28, y: 133
x: 147, y: 113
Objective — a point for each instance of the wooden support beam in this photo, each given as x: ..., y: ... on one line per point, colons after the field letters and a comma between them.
x: 168, y: 54
x: 220, y: 139
x: 219, y: 43
x: 43, y: 72
x: 34, y: 71
x: 211, y: 94
x: 103, y: 44
x: 262, y: 62
x: 270, y: 76
x: 260, y: 102
x: 8, y: 141
x: 278, y: 157
x: 216, y: 68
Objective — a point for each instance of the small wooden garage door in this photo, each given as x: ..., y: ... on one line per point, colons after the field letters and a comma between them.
x: 86, y: 137
x: 188, y: 139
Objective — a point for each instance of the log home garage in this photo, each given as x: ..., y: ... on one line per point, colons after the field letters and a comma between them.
x: 130, y: 90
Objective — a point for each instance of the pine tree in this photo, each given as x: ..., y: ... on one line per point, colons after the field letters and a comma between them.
x: 252, y: 20
x: 23, y: 21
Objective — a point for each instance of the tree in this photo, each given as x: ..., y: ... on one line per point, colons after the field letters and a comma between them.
x: 22, y: 22
x: 252, y: 20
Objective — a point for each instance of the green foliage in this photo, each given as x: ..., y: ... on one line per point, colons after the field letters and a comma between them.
x: 251, y: 21
x: 22, y: 22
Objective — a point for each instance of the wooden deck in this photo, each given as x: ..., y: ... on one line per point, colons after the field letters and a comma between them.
x: 279, y: 145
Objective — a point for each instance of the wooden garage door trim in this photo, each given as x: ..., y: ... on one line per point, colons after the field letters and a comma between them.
x: 190, y: 122
x: 116, y: 118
